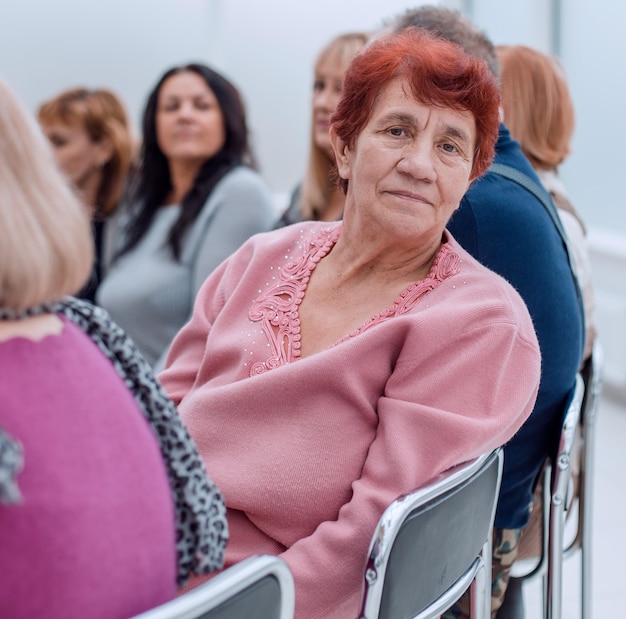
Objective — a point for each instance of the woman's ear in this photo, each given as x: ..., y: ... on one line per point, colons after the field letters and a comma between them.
x: 342, y: 154
x: 104, y: 152
x: 473, y: 176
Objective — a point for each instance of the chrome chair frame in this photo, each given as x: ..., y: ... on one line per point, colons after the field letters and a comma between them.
x: 556, y: 483
x: 476, y: 486
x: 592, y: 375
x: 223, y: 596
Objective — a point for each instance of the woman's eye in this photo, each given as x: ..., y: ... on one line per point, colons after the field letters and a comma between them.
x: 449, y: 148
x: 203, y: 105
x: 57, y: 142
x: 318, y: 85
x: 397, y: 131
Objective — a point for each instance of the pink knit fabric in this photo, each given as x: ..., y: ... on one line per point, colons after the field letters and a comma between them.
x: 94, y: 536
x: 309, y: 451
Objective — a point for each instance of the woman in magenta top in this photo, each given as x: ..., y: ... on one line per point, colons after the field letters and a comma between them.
x: 94, y: 535
x: 105, y: 506
x: 330, y: 367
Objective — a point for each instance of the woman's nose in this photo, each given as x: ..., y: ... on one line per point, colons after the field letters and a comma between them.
x: 418, y: 160
x: 185, y: 110
x: 323, y: 99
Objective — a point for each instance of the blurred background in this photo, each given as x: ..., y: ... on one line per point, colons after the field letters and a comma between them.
x: 268, y: 48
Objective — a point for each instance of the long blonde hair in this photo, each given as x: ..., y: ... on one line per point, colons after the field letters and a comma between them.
x: 319, y: 178
x: 47, y: 249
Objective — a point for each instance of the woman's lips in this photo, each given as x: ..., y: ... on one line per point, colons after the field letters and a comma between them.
x: 409, y: 195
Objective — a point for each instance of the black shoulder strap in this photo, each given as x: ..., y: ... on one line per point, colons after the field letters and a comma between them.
x: 542, y: 195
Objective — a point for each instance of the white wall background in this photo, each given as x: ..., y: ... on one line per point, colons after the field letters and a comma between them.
x: 267, y: 48
x: 593, y: 52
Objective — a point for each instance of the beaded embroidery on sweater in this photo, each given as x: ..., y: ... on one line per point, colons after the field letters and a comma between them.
x: 277, y: 308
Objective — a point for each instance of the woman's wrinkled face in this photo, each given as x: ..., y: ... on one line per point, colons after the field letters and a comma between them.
x: 78, y: 155
x: 326, y: 94
x: 410, y: 165
x: 189, y: 121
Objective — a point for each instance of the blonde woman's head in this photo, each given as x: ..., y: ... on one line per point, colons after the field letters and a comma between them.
x: 47, y: 249
x: 330, y: 66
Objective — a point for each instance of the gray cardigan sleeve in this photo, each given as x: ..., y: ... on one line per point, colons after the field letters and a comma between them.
x: 240, y: 206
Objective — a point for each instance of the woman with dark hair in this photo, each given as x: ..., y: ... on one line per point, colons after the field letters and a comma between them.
x: 330, y: 367
x: 195, y: 201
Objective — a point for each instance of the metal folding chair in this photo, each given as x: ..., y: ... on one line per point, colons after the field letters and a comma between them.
x: 556, y: 486
x: 592, y: 374
x: 260, y: 587
x: 430, y: 546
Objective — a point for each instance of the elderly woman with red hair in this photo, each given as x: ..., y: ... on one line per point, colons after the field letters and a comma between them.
x: 330, y: 367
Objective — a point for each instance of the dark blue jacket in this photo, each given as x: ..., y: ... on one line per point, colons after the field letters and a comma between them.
x: 508, y: 230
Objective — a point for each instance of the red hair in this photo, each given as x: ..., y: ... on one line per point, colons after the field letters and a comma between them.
x: 439, y: 73
x: 101, y: 115
x: 537, y: 105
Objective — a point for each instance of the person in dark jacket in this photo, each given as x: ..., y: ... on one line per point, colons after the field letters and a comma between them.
x: 509, y: 230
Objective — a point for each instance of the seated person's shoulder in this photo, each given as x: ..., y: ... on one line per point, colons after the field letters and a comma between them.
x: 244, y: 177
x: 498, y: 206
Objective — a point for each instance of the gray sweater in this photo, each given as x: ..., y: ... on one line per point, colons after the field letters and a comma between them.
x: 149, y: 294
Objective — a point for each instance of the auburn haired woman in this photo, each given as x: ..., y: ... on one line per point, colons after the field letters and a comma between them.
x: 539, y: 111
x: 90, y: 134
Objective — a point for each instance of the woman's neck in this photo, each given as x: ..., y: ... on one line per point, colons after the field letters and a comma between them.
x: 182, y: 176
x: 353, y: 266
x: 89, y: 188
x: 33, y: 328
x: 333, y: 209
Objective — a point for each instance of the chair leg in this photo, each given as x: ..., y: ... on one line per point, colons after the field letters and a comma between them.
x: 485, y: 578
x: 553, y: 579
x: 586, y: 594
x: 586, y: 541
x: 476, y: 605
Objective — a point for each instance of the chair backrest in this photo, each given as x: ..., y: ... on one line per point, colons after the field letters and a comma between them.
x: 555, y: 487
x: 428, y: 545
x: 592, y: 375
x: 260, y: 587
x: 561, y: 472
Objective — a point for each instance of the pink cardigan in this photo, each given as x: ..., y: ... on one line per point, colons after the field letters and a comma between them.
x: 309, y: 451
